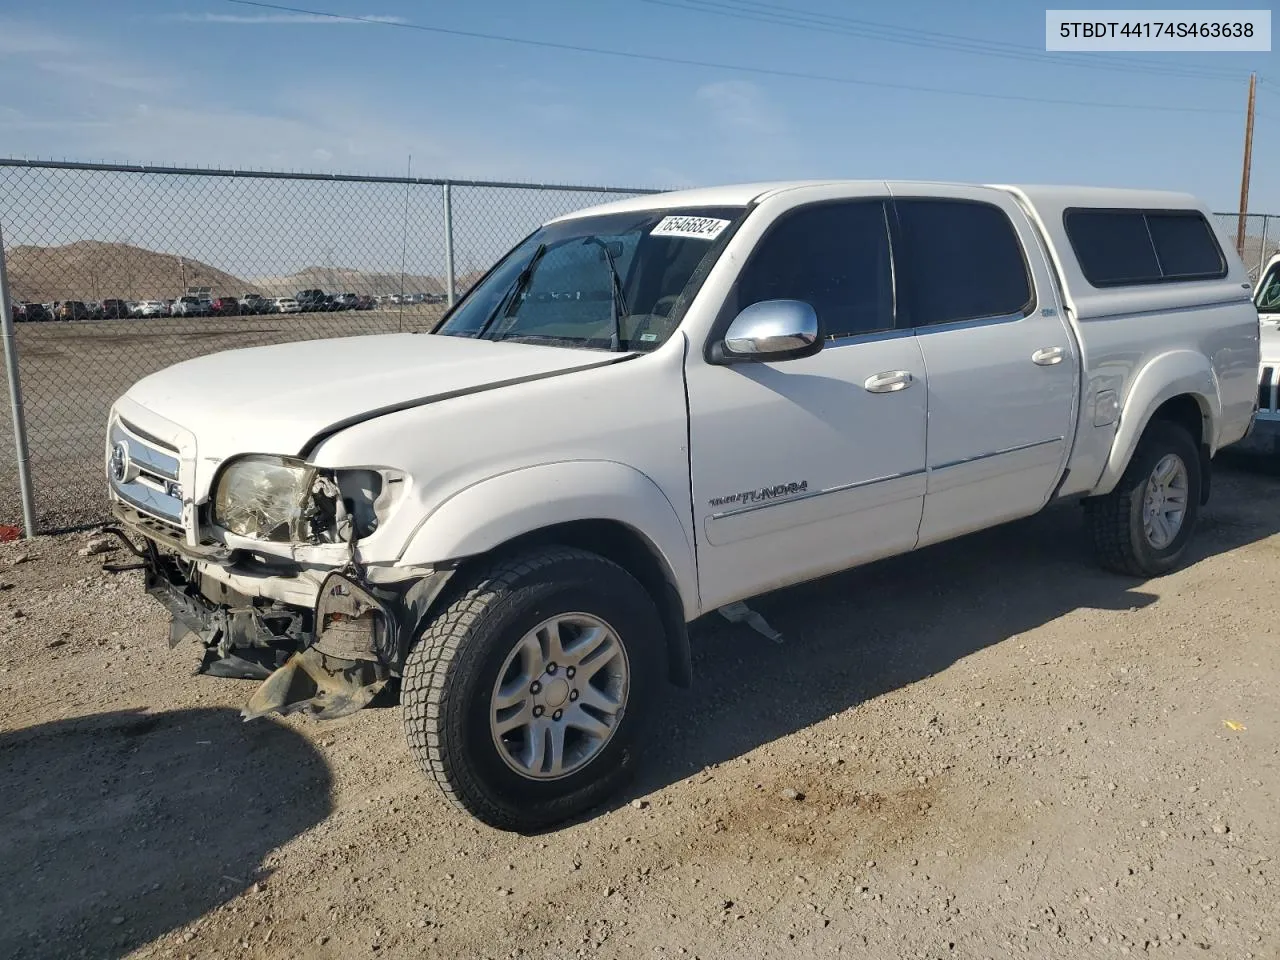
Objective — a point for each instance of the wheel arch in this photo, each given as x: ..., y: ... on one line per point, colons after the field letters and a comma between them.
x: 1178, y: 387
x: 604, y: 507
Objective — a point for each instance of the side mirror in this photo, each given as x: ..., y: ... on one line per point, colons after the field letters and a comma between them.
x: 771, y: 330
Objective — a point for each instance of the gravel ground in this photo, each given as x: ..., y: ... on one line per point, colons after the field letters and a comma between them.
x: 985, y: 749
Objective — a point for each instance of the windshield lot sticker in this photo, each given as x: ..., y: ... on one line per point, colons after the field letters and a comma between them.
x: 698, y: 228
x: 778, y: 492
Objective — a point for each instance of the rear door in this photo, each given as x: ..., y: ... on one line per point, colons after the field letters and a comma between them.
x: 1002, y: 365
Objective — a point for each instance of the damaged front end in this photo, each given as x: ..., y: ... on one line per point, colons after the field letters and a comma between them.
x: 356, y: 640
x: 328, y: 661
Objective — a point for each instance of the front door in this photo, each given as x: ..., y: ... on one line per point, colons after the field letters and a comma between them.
x: 1003, y: 368
x: 807, y: 466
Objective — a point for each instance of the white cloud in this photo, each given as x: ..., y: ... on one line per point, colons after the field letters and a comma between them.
x: 282, y: 18
x: 96, y: 73
x: 669, y: 178
x: 172, y: 113
x: 69, y: 59
x: 739, y: 106
x: 20, y: 39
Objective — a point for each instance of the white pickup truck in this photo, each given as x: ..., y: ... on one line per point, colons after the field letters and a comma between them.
x: 654, y: 409
x: 1265, y: 437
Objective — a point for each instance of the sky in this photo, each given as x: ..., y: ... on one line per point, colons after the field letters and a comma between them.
x: 221, y: 83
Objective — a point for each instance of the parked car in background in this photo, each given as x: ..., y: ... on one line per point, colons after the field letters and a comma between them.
x: 1265, y: 436
x: 190, y: 307
x: 74, y: 310
x: 312, y: 300
x: 113, y: 310
x: 152, y: 308
x: 24, y: 312
x: 364, y: 302
x: 255, y: 303
x: 286, y: 305
x: 224, y: 307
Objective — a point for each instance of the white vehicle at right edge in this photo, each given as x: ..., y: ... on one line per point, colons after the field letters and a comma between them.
x: 1265, y: 436
x: 654, y: 409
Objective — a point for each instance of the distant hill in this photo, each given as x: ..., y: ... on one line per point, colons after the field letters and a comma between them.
x: 345, y: 280
x: 93, y: 270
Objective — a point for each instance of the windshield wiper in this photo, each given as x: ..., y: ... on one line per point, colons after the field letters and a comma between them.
x: 618, y: 304
x: 542, y: 338
x: 513, y: 294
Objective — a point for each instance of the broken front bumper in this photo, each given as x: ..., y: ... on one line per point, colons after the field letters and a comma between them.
x: 329, y: 661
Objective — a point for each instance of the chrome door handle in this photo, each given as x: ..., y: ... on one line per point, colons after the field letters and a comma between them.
x: 1047, y: 356
x: 891, y: 381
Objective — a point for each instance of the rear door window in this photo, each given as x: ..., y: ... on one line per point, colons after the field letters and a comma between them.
x: 964, y: 261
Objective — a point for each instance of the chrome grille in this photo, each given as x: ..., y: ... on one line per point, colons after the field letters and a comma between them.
x: 144, y: 473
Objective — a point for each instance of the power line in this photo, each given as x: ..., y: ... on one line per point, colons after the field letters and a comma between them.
x: 929, y: 39
x: 739, y: 68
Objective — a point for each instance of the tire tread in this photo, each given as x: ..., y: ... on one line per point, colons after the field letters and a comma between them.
x: 427, y: 676
x: 1109, y: 518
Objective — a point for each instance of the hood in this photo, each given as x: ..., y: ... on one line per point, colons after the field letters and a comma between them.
x: 275, y: 399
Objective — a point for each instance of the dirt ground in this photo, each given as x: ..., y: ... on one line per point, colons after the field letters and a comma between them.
x: 985, y: 749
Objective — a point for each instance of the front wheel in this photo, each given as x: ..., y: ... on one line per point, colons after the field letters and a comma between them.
x: 523, y: 696
x: 1142, y: 527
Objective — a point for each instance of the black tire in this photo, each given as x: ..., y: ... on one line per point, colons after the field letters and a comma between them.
x: 451, y: 671
x: 1115, y: 521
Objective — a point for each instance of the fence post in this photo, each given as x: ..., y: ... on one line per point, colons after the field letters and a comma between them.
x: 448, y: 241
x: 15, y: 402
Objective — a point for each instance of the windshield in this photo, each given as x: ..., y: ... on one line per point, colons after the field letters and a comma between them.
x: 1268, y: 298
x: 557, y: 286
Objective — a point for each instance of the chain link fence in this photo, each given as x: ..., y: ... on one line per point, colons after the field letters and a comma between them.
x: 118, y: 271
x: 1258, y: 241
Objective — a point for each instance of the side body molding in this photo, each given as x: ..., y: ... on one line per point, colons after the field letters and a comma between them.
x: 1164, y: 377
x: 487, y: 514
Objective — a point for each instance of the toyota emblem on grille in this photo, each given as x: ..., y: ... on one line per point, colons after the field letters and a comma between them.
x: 122, y: 468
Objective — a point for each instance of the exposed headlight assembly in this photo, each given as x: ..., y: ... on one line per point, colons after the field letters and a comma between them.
x: 268, y: 498
x: 283, y: 500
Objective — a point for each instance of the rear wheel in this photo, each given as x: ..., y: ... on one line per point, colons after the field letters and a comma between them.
x: 523, y: 697
x: 1143, y: 526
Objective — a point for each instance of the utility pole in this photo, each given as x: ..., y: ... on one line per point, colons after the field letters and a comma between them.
x: 1248, y: 162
